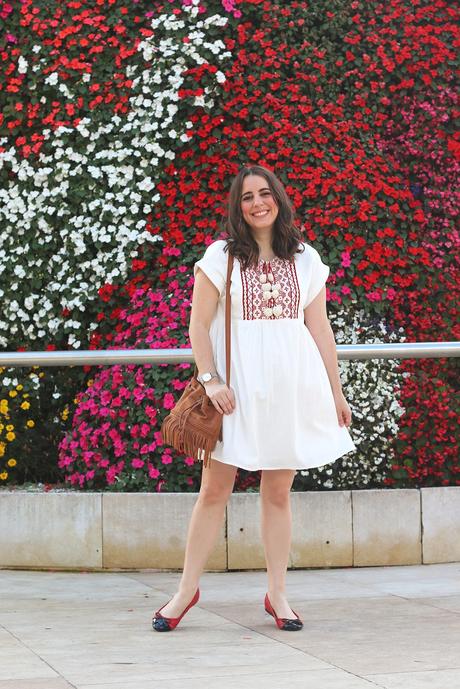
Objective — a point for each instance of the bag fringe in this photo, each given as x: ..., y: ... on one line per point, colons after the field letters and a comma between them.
x: 191, y: 443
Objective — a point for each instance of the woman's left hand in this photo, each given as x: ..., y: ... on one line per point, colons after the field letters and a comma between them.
x: 342, y: 409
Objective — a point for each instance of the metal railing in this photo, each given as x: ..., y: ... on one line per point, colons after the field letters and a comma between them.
x: 108, y: 357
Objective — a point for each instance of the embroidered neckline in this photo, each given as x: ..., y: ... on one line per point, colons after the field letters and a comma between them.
x: 275, y: 258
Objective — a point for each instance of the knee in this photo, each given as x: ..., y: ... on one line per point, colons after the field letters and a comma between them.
x: 276, y: 497
x: 214, y: 494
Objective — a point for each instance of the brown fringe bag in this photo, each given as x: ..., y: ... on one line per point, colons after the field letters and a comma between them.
x: 194, y: 425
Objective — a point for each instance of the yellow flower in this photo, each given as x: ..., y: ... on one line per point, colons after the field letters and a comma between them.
x: 2, y: 449
x: 19, y: 387
x: 26, y: 395
x: 3, y: 476
x: 10, y: 436
x: 10, y: 427
x: 30, y: 423
x: 11, y: 462
x: 40, y: 375
x: 25, y: 405
x: 12, y: 393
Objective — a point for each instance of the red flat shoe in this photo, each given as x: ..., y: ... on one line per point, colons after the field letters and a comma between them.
x: 167, y: 624
x: 284, y: 623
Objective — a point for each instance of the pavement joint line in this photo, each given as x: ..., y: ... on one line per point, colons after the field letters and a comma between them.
x: 411, y: 672
x: 37, y: 655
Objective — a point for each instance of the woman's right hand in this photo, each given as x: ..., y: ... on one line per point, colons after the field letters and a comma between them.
x: 222, y: 397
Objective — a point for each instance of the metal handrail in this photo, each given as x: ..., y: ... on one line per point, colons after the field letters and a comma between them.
x: 108, y: 357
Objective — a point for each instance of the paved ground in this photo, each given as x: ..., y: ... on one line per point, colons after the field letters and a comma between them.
x: 392, y: 627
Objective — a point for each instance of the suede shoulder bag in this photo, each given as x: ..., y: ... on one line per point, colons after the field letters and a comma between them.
x: 194, y: 425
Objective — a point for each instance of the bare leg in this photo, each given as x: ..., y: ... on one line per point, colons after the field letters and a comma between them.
x: 217, y: 481
x: 276, y: 525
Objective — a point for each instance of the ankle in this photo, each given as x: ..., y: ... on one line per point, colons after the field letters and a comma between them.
x: 187, y: 591
x: 279, y: 590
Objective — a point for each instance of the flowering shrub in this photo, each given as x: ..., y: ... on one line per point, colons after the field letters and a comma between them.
x: 114, y: 175
x: 15, y: 413
x: 375, y: 415
x: 84, y: 199
x: 113, y: 442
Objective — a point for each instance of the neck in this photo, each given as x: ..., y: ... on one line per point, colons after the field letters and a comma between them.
x: 265, y: 246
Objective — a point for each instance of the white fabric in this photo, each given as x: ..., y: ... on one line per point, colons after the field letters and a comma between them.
x: 285, y: 416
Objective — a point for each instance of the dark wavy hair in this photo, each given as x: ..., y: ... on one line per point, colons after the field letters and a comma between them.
x: 286, y: 234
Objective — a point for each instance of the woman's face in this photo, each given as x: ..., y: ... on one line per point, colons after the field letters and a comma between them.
x: 258, y: 206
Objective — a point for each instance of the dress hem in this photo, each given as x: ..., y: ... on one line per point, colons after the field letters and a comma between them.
x: 296, y: 468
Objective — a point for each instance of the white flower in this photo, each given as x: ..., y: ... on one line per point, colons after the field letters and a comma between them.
x: 277, y: 310
x: 267, y: 311
x: 22, y: 65
x: 52, y: 79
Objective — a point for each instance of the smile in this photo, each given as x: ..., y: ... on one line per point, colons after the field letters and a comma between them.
x: 259, y: 214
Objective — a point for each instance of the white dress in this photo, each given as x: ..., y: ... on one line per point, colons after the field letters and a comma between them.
x: 285, y: 416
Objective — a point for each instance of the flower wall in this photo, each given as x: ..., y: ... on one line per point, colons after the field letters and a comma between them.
x: 122, y: 126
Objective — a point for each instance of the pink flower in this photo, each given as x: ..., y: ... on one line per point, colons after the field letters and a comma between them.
x: 153, y: 471
x: 145, y: 430
x: 137, y: 463
x: 166, y: 458
x: 345, y: 259
x: 168, y: 401
x: 151, y: 412
x: 189, y: 461
x: 391, y: 294
x: 106, y: 397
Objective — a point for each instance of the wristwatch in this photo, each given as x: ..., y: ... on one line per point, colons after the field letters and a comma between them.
x: 206, y: 377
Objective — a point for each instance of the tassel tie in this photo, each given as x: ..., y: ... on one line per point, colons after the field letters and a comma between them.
x: 270, y: 292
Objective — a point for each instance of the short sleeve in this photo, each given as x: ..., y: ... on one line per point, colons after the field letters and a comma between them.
x: 214, y: 265
x: 319, y: 272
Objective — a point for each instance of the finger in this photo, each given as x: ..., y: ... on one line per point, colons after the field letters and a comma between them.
x: 226, y: 406
x: 217, y: 405
x: 230, y: 402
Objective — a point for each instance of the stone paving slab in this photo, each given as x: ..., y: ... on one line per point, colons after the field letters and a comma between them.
x: 389, y: 627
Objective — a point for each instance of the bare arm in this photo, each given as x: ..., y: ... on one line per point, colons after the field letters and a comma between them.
x: 204, y: 305
x: 317, y: 322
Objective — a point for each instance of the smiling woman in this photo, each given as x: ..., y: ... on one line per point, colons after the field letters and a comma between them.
x: 285, y: 410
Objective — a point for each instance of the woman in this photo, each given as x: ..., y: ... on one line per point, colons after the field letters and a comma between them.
x: 285, y: 409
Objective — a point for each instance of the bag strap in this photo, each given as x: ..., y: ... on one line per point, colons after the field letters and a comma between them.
x: 228, y: 319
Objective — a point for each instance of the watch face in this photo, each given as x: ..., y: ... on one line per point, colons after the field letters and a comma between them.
x: 206, y: 377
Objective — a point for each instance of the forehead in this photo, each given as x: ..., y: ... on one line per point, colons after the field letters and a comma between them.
x: 254, y: 183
